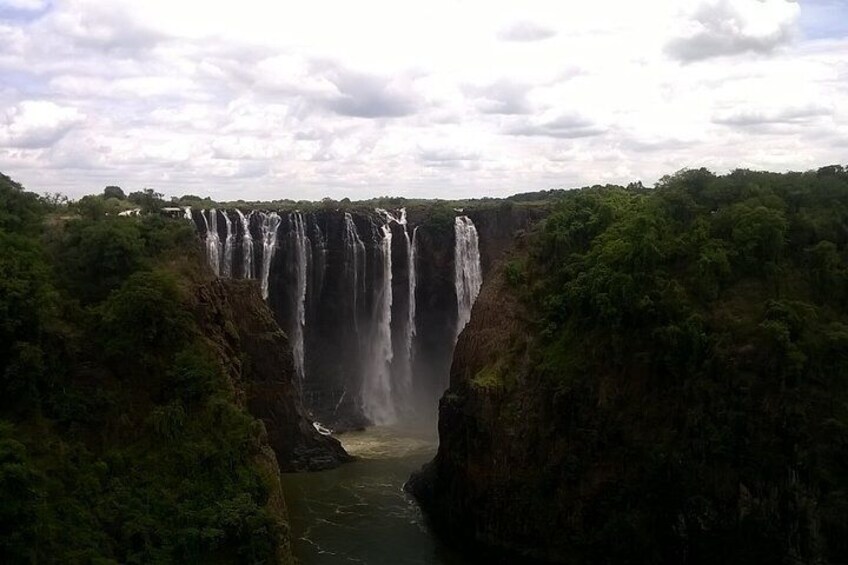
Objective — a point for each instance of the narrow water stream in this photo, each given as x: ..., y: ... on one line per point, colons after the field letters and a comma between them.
x: 358, y: 513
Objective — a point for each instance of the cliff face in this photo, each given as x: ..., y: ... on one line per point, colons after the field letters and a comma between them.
x: 664, y: 391
x: 257, y: 357
x: 532, y: 470
x: 494, y: 479
x: 343, y: 289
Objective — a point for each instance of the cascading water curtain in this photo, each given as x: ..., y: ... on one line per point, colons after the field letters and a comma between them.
x: 468, y: 276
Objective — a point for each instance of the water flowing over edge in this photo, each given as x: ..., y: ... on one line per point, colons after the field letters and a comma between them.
x: 229, y: 242
x: 387, y: 374
x: 213, y: 240
x: 246, y: 245
x: 270, y: 225
x: 376, y: 394
x: 301, y: 245
x: 468, y: 276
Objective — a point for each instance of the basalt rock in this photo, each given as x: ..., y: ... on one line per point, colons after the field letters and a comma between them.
x: 257, y: 357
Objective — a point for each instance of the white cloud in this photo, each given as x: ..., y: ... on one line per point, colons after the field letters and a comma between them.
x: 36, y: 124
x: 259, y: 100
x: 525, y: 31
x: 760, y: 115
x: 729, y: 27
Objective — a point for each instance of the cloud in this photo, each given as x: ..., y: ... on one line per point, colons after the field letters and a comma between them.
x: 364, y: 95
x: 731, y: 27
x: 445, y: 154
x: 525, y: 31
x: 35, y: 124
x: 255, y: 100
x: 92, y: 25
x: 502, y: 97
x: 760, y: 116
x: 566, y: 126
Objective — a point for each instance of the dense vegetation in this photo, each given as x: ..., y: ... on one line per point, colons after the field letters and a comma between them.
x: 120, y: 440
x: 694, y: 340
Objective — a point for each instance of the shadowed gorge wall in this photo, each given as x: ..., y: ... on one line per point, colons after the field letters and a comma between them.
x: 657, y: 376
x: 339, y: 283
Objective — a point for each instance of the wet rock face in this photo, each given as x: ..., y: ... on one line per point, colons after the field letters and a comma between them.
x: 257, y: 357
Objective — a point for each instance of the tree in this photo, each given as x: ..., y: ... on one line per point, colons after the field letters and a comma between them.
x: 97, y: 257
x: 144, y: 319
x: 147, y: 199
x: 114, y: 192
x: 90, y: 207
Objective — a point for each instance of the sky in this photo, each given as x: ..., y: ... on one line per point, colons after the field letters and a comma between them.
x: 261, y: 100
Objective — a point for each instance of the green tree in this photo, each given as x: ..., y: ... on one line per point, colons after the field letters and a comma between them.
x: 96, y: 257
x: 114, y: 192
x: 148, y: 199
x: 144, y: 320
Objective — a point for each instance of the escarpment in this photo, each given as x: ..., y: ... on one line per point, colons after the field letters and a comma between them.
x: 492, y: 481
x: 257, y: 358
x: 656, y: 377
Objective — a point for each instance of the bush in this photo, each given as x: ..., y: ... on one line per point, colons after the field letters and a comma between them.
x: 144, y: 320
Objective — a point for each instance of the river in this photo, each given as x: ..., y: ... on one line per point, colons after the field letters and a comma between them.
x: 358, y: 513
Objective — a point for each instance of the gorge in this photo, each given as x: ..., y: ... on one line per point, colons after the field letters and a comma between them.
x: 622, y: 375
x: 345, y: 287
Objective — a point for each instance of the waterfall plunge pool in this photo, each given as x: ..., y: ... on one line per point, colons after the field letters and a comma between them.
x: 358, y: 513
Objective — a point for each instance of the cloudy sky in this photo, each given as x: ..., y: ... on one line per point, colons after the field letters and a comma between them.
x: 444, y: 98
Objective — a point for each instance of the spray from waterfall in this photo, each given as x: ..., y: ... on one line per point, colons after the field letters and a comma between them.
x: 270, y: 224
x: 229, y: 243
x: 213, y: 241
x: 246, y: 245
x: 467, y: 275
x: 301, y: 246
x: 377, y: 398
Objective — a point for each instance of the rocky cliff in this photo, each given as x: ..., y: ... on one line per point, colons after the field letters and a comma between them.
x: 657, y: 377
x: 257, y: 358
x: 493, y: 481
x: 336, y: 259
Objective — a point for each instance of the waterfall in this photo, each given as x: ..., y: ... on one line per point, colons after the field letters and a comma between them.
x: 467, y: 275
x: 409, y: 329
x: 270, y: 224
x: 354, y: 255
x: 301, y: 245
x: 375, y: 343
x: 229, y: 241
x: 377, y: 384
x: 246, y: 245
x: 213, y: 241
x: 187, y: 214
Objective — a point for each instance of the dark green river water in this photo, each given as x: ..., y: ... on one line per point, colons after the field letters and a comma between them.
x: 359, y: 513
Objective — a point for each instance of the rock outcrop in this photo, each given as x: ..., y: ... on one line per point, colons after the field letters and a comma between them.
x: 257, y: 357
x: 488, y: 483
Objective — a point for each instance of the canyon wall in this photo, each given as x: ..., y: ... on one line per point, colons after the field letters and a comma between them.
x: 367, y: 298
x: 257, y: 358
